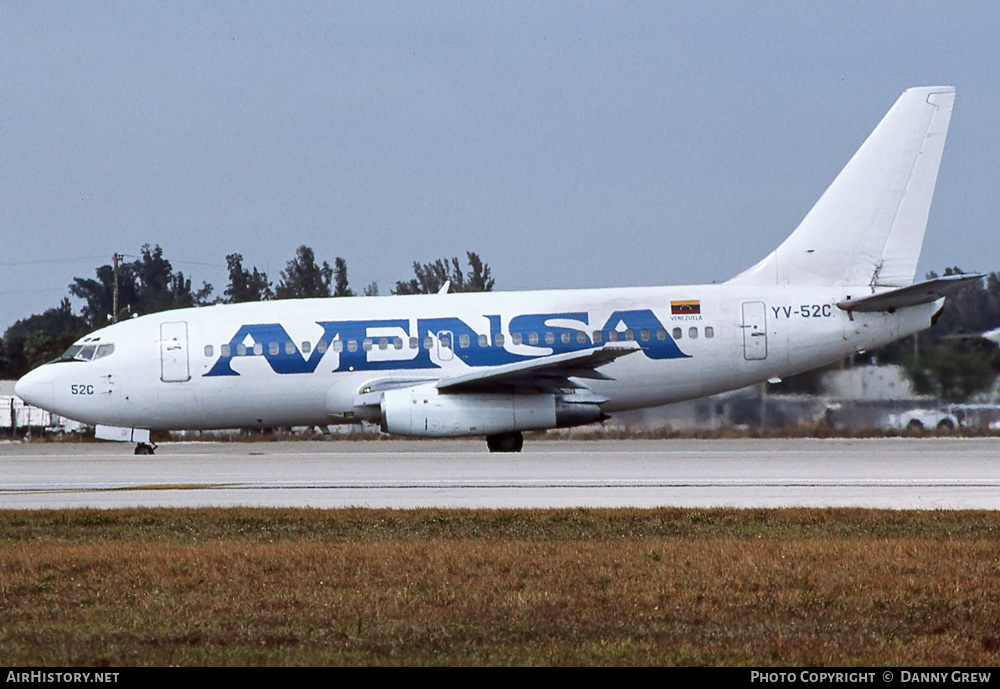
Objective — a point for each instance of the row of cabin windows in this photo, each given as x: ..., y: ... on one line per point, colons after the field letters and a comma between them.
x: 369, y: 343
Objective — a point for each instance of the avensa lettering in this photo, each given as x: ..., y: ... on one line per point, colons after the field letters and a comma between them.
x: 394, y: 344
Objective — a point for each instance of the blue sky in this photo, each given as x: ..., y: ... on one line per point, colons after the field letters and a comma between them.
x: 570, y: 144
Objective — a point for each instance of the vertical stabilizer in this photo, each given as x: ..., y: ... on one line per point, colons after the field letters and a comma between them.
x: 868, y: 227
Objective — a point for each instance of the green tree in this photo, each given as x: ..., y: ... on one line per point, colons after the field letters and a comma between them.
x: 98, y: 295
x: 39, y: 338
x: 478, y: 278
x: 146, y: 285
x: 430, y: 277
x: 955, y: 369
x: 245, y: 285
x: 340, y: 279
x: 303, y: 278
x: 162, y: 289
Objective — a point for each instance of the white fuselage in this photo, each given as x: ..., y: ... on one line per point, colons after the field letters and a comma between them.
x: 264, y: 364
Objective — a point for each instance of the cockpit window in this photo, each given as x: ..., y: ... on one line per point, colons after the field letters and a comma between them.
x: 88, y: 352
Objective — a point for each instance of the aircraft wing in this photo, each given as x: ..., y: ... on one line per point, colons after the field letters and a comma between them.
x: 920, y: 293
x: 547, y: 373
x: 543, y: 372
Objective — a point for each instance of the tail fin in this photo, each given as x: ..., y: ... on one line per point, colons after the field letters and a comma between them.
x: 867, y: 228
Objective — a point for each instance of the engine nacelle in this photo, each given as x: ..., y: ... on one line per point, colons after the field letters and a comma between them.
x: 423, y: 411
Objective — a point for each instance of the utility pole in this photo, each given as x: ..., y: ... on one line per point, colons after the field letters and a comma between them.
x: 114, y: 301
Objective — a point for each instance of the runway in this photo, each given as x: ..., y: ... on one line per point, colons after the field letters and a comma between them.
x: 930, y: 473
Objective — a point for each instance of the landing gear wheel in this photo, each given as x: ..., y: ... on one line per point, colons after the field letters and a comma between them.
x: 143, y: 449
x: 505, y: 442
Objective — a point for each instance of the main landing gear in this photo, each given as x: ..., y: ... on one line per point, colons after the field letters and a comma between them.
x: 505, y: 442
x: 144, y: 449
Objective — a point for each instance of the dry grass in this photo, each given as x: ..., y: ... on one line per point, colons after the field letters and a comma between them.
x: 636, y: 587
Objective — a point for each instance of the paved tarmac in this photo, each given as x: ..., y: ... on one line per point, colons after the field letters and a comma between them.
x: 929, y: 473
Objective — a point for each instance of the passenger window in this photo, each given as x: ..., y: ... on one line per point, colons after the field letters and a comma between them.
x: 499, y: 340
x: 709, y: 331
x: 463, y: 341
x: 612, y: 336
x: 241, y: 349
x: 397, y: 343
x: 224, y: 350
x: 338, y: 346
x: 258, y: 348
x: 367, y: 344
x: 306, y: 347
x: 321, y: 346
x: 352, y: 345
x: 532, y: 338
x: 629, y: 335
x: 515, y: 338
x: 598, y: 337
x: 693, y: 333
x: 383, y: 343
x: 208, y: 350
x: 445, y: 340
x: 428, y: 342
x: 413, y: 343
x: 289, y: 347
x: 484, y: 341
x: 581, y: 337
x: 272, y: 348
x: 677, y: 333
x: 644, y: 334
x: 564, y: 337
x: 550, y: 338
x: 661, y: 334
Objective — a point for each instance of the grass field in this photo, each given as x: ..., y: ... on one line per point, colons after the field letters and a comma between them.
x: 433, y: 587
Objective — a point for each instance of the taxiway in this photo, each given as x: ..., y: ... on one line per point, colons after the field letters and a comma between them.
x: 928, y: 473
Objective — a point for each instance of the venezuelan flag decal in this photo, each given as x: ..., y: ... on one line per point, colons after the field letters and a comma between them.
x: 691, y: 307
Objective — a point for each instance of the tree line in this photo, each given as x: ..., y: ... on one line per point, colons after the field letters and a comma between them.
x: 150, y: 284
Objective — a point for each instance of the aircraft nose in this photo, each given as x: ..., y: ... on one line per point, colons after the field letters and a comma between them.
x: 36, y: 389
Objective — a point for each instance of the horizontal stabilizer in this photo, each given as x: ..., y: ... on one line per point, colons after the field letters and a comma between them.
x: 920, y: 293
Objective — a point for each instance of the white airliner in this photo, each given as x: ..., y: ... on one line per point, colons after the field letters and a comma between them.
x: 497, y: 364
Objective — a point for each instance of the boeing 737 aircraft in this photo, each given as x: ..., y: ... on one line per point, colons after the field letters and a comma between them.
x: 497, y: 364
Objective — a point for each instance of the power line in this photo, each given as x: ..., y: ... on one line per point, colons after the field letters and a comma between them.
x: 174, y: 260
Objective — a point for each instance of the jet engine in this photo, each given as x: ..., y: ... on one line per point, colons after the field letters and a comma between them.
x: 426, y: 412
